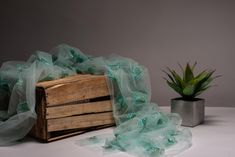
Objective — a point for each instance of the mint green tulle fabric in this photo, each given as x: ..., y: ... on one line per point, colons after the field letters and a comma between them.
x: 142, y: 130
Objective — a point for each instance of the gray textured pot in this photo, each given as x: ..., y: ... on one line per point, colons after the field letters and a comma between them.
x: 191, y: 112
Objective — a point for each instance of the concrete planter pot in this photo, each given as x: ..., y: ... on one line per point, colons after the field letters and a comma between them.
x: 191, y: 112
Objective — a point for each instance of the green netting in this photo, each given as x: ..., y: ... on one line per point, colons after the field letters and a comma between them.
x: 141, y: 129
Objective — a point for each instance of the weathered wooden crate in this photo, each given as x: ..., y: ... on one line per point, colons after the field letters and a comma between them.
x: 72, y: 105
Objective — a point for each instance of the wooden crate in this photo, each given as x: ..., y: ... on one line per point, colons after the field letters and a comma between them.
x: 71, y: 106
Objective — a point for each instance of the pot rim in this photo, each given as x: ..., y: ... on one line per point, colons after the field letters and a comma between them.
x: 193, y: 100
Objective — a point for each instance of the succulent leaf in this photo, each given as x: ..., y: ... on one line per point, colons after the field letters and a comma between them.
x: 188, y: 73
x: 177, y: 78
x: 171, y: 78
x: 175, y: 87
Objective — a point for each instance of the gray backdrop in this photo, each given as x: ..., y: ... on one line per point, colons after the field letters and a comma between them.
x: 153, y: 32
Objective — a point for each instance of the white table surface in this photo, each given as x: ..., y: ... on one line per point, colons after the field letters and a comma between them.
x: 214, y: 138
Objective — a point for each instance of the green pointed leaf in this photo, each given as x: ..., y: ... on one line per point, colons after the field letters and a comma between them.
x: 202, y: 90
x: 205, y: 84
x: 188, y: 73
x: 177, y: 78
x: 169, y: 76
x: 175, y: 87
x: 205, y: 78
x: 201, y: 75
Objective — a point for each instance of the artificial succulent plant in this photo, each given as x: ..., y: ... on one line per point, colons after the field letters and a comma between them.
x: 187, y: 84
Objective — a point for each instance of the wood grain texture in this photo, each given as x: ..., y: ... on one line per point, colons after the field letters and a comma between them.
x: 91, y: 87
x: 82, y: 121
x: 77, y: 109
x: 69, y: 79
x: 39, y: 129
x: 64, y: 134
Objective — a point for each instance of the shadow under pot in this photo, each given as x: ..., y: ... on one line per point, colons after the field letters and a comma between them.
x: 192, y: 112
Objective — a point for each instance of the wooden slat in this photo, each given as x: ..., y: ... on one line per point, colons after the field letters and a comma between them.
x: 78, y: 132
x: 82, y: 121
x: 76, y: 109
x: 69, y: 79
x: 76, y: 91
